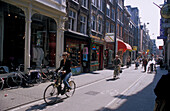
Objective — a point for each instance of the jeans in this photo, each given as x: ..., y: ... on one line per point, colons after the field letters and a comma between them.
x: 65, y: 80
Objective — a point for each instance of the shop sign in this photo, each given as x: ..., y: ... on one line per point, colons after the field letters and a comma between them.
x: 93, y: 47
x: 165, y: 11
x: 109, y: 37
x: 97, y: 40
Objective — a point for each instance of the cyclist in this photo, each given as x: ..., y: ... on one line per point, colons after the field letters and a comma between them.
x: 65, y: 64
x: 116, y: 63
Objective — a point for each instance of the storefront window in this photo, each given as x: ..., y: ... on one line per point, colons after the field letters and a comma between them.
x: 74, y: 54
x: 12, y: 41
x: 43, y: 41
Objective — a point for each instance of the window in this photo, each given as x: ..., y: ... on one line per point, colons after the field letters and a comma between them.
x: 118, y: 29
x: 100, y: 25
x: 121, y: 17
x: 72, y: 20
x: 84, y: 3
x: 120, y: 3
x: 83, y: 22
x: 94, y: 2
x: 107, y: 27
x: 108, y: 10
x: 113, y: 14
x: 93, y: 22
x: 75, y: 1
x: 99, y: 4
x: 112, y: 30
x: 118, y: 15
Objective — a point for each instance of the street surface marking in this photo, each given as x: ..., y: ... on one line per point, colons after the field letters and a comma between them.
x: 123, y: 92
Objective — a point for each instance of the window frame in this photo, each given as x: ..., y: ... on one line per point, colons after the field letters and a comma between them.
x: 108, y: 10
x: 94, y: 22
x: 85, y: 24
x: 73, y: 28
x: 100, y: 25
x: 84, y: 4
x: 108, y: 30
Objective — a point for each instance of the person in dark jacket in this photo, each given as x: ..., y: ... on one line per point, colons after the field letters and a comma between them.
x: 162, y: 91
x: 145, y: 62
x: 65, y: 66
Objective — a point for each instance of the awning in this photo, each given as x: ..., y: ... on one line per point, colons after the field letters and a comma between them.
x: 122, y: 46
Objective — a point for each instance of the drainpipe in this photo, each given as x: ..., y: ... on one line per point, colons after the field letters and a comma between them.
x: 89, y: 33
x: 115, y: 41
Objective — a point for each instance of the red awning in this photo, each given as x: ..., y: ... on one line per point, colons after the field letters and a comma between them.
x: 122, y: 46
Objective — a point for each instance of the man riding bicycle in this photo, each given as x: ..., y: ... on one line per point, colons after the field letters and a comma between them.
x: 65, y: 64
x: 116, y: 63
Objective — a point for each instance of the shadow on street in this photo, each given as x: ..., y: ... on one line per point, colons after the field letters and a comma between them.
x: 138, y: 101
x: 44, y: 105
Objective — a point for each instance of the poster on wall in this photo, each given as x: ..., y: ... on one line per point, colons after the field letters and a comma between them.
x: 76, y: 70
x: 85, y: 57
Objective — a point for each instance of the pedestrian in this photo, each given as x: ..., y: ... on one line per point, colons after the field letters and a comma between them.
x: 128, y: 62
x: 145, y: 62
x: 136, y: 63
x: 117, y: 66
x: 161, y: 63
x: 162, y: 101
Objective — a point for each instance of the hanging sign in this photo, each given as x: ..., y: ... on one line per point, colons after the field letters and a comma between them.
x: 165, y: 11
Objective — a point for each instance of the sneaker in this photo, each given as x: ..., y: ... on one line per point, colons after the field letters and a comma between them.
x: 68, y: 89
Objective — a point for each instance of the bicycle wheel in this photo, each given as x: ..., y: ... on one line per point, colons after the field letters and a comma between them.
x: 13, y: 81
x: 1, y: 83
x: 71, y: 91
x: 50, y: 94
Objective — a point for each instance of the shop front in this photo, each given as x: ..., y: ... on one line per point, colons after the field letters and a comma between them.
x: 31, y: 34
x: 124, y: 50
x: 109, y: 54
x: 109, y: 50
x: 97, y: 52
x: 78, y: 48
x: 43, y: 41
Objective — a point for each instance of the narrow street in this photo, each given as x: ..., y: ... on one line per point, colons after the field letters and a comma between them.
x: 96, y: 91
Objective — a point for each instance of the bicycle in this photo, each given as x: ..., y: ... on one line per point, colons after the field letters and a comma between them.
x: 116, y: 71
x: 18, y: 78
x: 52, y: 91
x: 45, y: 73
x: 1, y: 83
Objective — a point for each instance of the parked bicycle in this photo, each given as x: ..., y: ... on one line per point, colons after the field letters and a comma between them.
x: 52, y: 91
x: 45, y: 73
x: 19, y: 78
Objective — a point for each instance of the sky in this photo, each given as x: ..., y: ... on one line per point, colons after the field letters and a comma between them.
x: 149, y: 13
